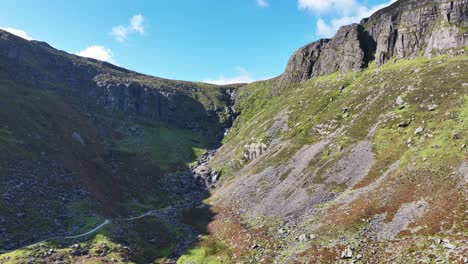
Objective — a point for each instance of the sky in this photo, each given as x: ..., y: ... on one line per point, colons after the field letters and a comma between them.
x: 215, y: 41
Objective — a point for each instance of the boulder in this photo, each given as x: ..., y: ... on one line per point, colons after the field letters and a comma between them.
x: 432, y: 107
x: 399, y: 101
x: 418, y: 131
x: 254, y: 150
x: 202, y: 171
x: 347, y: 253
x: 302, y: 238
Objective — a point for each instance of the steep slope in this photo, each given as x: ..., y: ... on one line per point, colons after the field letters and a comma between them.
x: 342, y: 156
x: 360, y: 143
x: 356, y: 153
x: 83, y: 140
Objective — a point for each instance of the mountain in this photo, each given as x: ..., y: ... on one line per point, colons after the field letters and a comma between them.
x: 356, y: 153
x: 83, y: 141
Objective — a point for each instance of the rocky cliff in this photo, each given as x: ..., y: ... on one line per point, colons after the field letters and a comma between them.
x: 101, y: 84
x: 82, y: 141
x: 403, y: 30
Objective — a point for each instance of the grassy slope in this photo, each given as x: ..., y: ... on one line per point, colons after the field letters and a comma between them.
x: 317, y: 101
x: 426, y: 165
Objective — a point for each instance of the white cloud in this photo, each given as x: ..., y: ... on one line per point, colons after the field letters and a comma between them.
x: 121, y: 33
x: 136, y: 23
x: 323, y: 29
x: 17, y: 32
x: 97, y: 52
x: 243, y: 77
x: 263, y: 3
x: 328, y: 29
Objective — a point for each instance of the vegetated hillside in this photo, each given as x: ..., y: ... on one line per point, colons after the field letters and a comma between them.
x: 358, y: 151
x: 374, y: 155
x: 83, y: 141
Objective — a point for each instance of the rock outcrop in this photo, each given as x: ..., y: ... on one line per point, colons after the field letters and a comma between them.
x: 403, y: 30
x: 100, y: 84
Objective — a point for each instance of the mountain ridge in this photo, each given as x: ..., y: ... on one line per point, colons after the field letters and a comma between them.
x: 400, y: 30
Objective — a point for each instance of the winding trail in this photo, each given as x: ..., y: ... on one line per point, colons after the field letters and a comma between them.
x: 107, y: 221
x: 94, y: 230
x: 156, y: 213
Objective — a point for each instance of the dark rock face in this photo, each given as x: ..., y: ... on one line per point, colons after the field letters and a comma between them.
x: 411, y: 27
x: 301, y: 64
x: 344, y: 52
x: 101, y: 84
x: 405, y: 29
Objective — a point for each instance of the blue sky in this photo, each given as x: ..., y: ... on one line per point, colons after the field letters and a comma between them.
x: 218, y: 41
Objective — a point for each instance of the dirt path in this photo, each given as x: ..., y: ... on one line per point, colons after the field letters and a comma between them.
x: 94, y: 230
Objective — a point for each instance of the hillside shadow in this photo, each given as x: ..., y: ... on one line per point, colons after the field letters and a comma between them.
x: 158, y: 177
x: 122, y: 181
x: 128, y: 144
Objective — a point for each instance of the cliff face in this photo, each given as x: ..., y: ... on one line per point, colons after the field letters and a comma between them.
x: 404, y: 29
x: 100, y: 84
x: 76, y: 132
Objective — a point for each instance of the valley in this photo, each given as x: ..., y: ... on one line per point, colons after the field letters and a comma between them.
x: 357, y: 153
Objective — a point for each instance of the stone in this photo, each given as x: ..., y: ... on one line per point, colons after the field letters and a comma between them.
x: 254, y: 150
x: 203, y: 171
x: 432, y: 107
x: 399, y: 101
x: 418, y: 131
x: 77, y: 137
x: 75, y: 246
x: 20, y: 215
x: 449, y: 246
x: 347, y: 253
x: 215, y: 176
x: 302, y: 238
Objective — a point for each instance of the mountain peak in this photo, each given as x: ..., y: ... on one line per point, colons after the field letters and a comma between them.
x: 402, y: 30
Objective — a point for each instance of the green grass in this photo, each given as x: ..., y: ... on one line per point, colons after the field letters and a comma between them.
x: 15, y: 257
x: 320, y: 101
x: 82, y: 211
x: 336, y: 187
x: 211, y: 251
x: 150, y: 201
x: 165, y: 145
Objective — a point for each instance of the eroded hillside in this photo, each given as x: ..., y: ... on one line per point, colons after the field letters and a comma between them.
x: 352, y: 159
x: 357, y: 152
